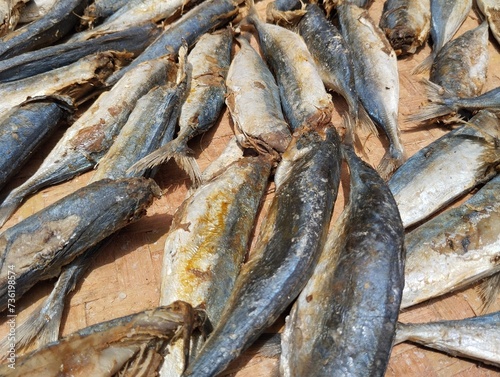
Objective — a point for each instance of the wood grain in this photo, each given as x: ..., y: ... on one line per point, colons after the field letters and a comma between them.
x: 125, y: 277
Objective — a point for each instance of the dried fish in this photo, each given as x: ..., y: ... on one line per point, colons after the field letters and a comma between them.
x: 284, y: 11
x: 406, y: 23
x: 58, y: 22
x: 491, y: 9
x: 93, y: 68
x: 208, y: 15
x: 23, y: 129
x: 476, y: 338
x: 207, y: 243
x: 288, y: 245
x: 130, y: 345
x: 133, y: 15
x: 455, y: 249
x: 10, y: 11
x: 378, y: 89
x: 447, y: 168
x: 344, y: 320
x: 446, y: 18
x: 151, y: 124
x: 37, y: 247
x: 332, y: 56
x: 446, y: 104
x: 249, y: 81
x: 303, y: 95
x: 133, y: 41
x: 460, y: 66
x: 90, y: 137
x: 208, y: 63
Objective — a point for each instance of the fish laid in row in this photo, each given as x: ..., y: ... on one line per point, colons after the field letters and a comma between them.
x: 208, y: 63
x: 344, y: 320
x: 288, y: 246
x: 91, y: 135
x: 454, y: 249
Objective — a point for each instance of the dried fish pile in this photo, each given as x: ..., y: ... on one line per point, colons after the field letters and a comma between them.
x: 256, y: 227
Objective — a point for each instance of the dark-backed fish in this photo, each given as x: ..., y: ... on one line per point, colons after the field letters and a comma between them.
x: 378, y: 89
x: 208, y: 63
x: 37, y: 247
x: 133, y: 345
x: 446, y: 18
x: 288, y: 245
x: 302, y: 93
x: 23, y: 129
x: 58, y: 22
x: 101, y: 9
x: 332, y: 56
x: 406, y: 23
x: 209, y: 15
x: 454, y: 249
x: 460, y: 66
x: 35, y: 9
x: 91, y: 135
x: 476, y: 338
x: 133, y: 41
x: 344, y: 320
x: 447, y: 168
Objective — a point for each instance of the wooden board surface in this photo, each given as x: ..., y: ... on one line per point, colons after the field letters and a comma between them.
x: 125, y: 277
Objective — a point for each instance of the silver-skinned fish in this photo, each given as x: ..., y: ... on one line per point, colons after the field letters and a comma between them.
x: 454, y: 249
x: 378, y: 89
x: 208, y: 63
x: 447, y: 168
x: 446, y: 18
x: 476, y: 338
x: 491, y: 10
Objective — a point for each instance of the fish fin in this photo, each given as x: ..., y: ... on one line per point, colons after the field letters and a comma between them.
x: 424, y: 65
x: 402, y: 333
x: 392, y: 160
x: 366, y: 123
x: 440, y: 103
x: 489, y: 290
x: 9, y: 206
x: 176, y: 149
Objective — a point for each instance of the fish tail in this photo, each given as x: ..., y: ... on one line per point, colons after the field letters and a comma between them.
x: 442, y: 103
x: 176, y: 149
x: 424, y: 65
x: 9, y: 206
x: 489, y: 290
x: 284, y: 17
x: 392, y: 160
x: 402, y: 333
